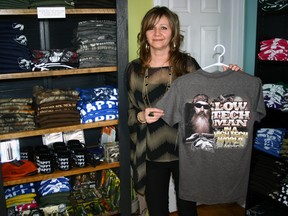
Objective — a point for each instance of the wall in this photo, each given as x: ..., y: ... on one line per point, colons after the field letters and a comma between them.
x: 138, y: 8
x: 250, y: 36
x: 136, y: 11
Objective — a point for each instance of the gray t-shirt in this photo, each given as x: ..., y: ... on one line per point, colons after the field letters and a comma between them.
x: 216, y: 113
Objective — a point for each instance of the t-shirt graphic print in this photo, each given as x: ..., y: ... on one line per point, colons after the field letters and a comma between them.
x: 216, y: 123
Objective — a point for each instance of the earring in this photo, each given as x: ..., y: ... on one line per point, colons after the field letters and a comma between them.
x: 174, y: 45
x: 147, y: 47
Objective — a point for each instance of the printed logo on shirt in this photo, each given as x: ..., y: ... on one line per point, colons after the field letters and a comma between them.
x: 218, y: 123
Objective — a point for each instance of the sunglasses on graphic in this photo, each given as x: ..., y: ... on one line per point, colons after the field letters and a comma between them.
x: 199, y: 105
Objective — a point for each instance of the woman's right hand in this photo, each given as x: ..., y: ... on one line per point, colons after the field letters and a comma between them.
x: 152, y: 115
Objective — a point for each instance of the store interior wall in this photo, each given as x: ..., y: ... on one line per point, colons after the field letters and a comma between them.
x: 250, y: 36
x: 138, y: 8
x: 136, y: 11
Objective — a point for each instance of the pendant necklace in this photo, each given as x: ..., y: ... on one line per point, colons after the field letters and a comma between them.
x: 145, y: 96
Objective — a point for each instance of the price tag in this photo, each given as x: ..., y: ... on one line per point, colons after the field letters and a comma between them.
x: 51, y: 12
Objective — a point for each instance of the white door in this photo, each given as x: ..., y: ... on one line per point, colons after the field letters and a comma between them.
x: 205, y: 23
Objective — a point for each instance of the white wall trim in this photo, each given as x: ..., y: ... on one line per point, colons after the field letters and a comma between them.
x: 237, y: 24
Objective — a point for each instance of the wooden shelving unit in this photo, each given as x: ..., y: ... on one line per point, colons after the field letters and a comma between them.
x: 120, y: 13
x: 68, y: 11
x: 270, y: 25
x: 57, y: 173
x: 35, y: 74
x: 39, y: 132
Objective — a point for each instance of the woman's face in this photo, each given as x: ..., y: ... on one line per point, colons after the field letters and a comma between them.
x: 159, y: 36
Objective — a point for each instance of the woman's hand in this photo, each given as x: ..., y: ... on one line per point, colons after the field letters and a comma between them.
x: 233, y: 67
x: 153, y: 114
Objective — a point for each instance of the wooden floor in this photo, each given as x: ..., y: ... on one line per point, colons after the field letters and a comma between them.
x: 218, y: 210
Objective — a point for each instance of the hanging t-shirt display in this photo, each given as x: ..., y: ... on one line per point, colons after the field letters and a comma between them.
x: 216, y: 113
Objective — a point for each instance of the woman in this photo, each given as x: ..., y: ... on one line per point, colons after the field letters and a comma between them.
x: 154, y: 153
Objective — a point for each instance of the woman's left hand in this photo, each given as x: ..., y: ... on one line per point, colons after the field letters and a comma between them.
x: 233, y: 67
x: 152, y: 114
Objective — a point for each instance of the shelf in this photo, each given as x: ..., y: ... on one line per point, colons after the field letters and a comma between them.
x: 68, y: 11
x: 39, y: 132
x: 56, y: 174
x: 66, y: 72
x: 267, y: 203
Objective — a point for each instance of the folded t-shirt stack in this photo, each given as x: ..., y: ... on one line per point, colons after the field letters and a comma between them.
x: 95, y: 4
x: 284, y: 149
x: 18, y: 169
x: 14, y: 53
x: 270, y: 140
x: 282, y: 195
x: 54, y: 191
x: 14, y: 4
x: 56, y: 107
x: 52, y: 3
x: 285, y: 99
x: 95, y: 42
x: 275, y: 96
x: 21, y: 197
x: 273, y: 5
x: 16, y: 114
x: 98, y: 104
x: 267, y: 176
x: 275, y: 49
x: 43, y: 60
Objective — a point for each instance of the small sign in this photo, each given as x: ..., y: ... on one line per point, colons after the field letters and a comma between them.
x: 51, y: 12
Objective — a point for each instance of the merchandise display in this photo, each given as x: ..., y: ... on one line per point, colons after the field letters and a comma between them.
x: 51, y: 89
x: 267, y: 192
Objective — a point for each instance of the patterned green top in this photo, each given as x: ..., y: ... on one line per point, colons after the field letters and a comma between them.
x: 156, y: 141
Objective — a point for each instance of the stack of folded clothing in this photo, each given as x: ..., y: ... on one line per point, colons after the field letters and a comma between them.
x: 54, y: 191
x: 95, y: 4
x: 14, y: 53
x: 98, y: 104
x: 14, y: 4
x: 281, y: 195
x: 20, y: 198
x: 270, y: 140
x: 273, y: 5
x: 275, y: 96
x: 54, y: 59
x: 275, y: 49
x: 284, y: 149
x: 18, y: 169
x: 285, y: 99
x: 55, y: 3
x: 95, y: 42
x: 16, y: 114
x: 56, y: 107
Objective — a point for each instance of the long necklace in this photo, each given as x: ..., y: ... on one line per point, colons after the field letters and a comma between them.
x: 145, y: 95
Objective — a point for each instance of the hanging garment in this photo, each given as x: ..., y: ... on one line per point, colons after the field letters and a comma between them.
x: 215, y: 112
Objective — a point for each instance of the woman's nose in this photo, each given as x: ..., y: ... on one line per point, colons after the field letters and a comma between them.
x: 156, y: 31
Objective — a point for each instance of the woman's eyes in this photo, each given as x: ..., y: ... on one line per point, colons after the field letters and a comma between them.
x: 161, y: 28
x: 164, y: 28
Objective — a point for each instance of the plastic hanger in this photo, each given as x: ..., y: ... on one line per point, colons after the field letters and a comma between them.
x: 218, y: 63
